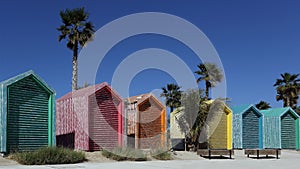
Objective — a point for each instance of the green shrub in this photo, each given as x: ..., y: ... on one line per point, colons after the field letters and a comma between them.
x: 161, y: 154
x: 122, y: 154
x: 49, y: 155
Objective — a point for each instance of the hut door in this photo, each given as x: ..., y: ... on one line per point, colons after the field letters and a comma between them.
x: 27, y: 116
x: 250, y: 129
x: 131, y: 141
x: 288, y: 132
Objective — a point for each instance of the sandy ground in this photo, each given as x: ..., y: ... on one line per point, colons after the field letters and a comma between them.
x: 6, y: 162
x: 96, y: 157
x: 182, y: 160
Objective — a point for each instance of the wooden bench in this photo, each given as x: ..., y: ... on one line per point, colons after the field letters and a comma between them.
x: 266, y: 152
x: 214, y: 152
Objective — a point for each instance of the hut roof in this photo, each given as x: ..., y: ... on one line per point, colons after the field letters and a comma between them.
x: 243, y: 108
x: 89, y: 91
x: 142, y: 97
x: 24, y: 75
x: 278, y: 112
x: 227, y: 109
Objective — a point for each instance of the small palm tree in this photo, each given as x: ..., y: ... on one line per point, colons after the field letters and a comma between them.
x: 172, y: 94
x: 78, y: 32
x: 262, y: 105
x: 288, y: 89
x: 209, y: 73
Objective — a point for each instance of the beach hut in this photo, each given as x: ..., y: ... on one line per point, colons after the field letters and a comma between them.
x: 179, y: 128
x: 281, y: 128
x: 216, y: 135
x: 90, y: 119
x: 146, y: 122
x: 27, y: 114
x: 247, y: 127
x: 218, y: 126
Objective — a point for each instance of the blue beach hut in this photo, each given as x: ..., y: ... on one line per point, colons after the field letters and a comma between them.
x: 247, y: 127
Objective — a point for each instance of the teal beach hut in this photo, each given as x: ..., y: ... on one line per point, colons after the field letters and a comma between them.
x: 247, y: 129
x: 281, y: 128
x: 27, y: 114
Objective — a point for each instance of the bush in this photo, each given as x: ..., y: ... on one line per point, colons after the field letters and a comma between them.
x: 161, y: 154
x: 122, y: 154
x: 49, y: 155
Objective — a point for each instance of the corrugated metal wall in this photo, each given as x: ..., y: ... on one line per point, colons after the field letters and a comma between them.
x: 150, y: 126
x: 218, y: 140
x: 94, y: 118
x: 272, y: 132
x: 288, y: 132
x: 104, y: 121
x: 250, y: 130
x: 72, y: 119
x: 178, y: 125
x: 27, y: 117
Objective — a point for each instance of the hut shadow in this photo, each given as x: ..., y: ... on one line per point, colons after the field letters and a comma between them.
x: 263, y: 157
x: 217, y: 157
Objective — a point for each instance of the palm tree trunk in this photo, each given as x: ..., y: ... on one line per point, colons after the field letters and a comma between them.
x: 288, y: 104
x: 75, y: 67
x: 206, y: 90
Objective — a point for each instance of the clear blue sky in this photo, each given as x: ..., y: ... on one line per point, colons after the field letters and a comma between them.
x: 256, y: 41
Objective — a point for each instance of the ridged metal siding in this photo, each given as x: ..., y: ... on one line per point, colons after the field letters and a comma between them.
x: 150, y: 126
x: 288, y: 132
x: 272, y: 132
x: 273, y: 119
x: 250, y: 129
x: 103, y: 119
x: 27, y: 117
x: 218, y: 139
x: 80, y: 113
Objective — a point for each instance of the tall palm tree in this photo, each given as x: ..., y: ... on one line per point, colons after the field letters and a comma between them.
x: 262, y: 105
x: 211, y: 74
x: 288, y: 89
x: 172, y: 94
x: 78, y: 31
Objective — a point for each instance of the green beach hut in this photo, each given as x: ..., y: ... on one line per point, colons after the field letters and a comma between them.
x: 27, y: 114
x: 281, y: 128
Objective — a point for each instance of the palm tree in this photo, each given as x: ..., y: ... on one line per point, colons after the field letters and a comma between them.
x: 262, y: 105
x: 288, y: 89
x: 172, y: 94
x: 78, y: 31
x: 209, y: 73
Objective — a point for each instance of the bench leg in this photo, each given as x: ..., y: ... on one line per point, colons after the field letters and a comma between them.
x: 209, y: 154
x: 230, y: 154
x: 257, y: 152
x: 277, y: 154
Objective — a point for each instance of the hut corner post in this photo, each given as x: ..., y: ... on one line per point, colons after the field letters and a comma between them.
x: 51, y: 118
x: 261, y: 144
x: 120, y: 124
x: 229, y: 131
x: 297, y: 134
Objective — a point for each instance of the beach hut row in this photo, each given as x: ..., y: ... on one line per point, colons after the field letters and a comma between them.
x: 88, y: 119
x: 244, y: 127
x: 275, y: 128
